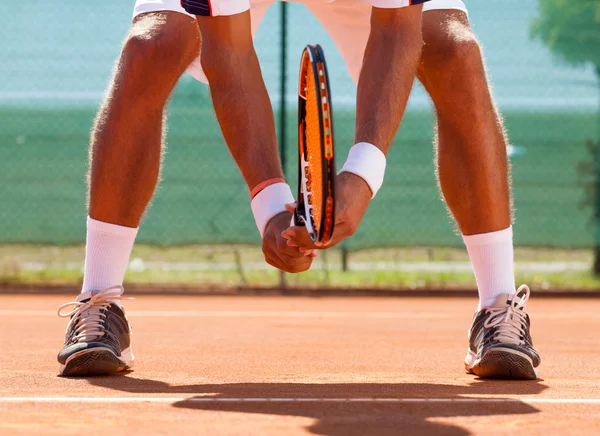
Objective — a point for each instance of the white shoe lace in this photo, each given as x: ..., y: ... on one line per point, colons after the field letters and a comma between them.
x: 511, y: 321
x: 88, y: 318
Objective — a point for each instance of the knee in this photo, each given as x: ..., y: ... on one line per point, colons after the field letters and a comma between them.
x: 157, y: 48
x: 143, y: 53
x: 136, y: 79
x: 455, y: 52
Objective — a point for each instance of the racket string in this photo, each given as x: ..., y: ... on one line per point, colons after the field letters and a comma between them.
x: 314, y: 168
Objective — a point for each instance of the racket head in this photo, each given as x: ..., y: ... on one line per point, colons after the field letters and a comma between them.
x: 316, y: 153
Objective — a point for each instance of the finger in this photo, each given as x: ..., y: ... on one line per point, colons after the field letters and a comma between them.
x: 300, y: 263
x: 341, y: 232
x: 284, y: 258
x: 290, y: 207
x: 305, y: 251
x: 290, y: 265
x: 285, y: 250
x: 301, y: 266
x: 299, y: 236
x: 309, y: 252
x: 293, y: 250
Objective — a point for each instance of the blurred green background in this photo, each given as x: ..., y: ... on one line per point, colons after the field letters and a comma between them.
x: 543, y: 61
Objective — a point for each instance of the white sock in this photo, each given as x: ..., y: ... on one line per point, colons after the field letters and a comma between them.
x: 107, y: 251
x: 492, y: 258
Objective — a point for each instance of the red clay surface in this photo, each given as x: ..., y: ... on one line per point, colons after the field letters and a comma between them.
x: 288, y: 366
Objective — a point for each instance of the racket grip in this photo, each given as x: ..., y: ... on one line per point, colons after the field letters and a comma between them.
x: 293, y: 224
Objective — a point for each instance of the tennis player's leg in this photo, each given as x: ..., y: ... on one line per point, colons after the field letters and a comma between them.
x: 125, y: 158
x: 473, y: 173
x: 472, y: 161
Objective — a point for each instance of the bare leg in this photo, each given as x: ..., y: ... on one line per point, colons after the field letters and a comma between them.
x: 126, y: 141
x: 125, y: 157
x: 472, y: 160
x: 471, y: 155
x: 474, y: 178
x: 126, y: 144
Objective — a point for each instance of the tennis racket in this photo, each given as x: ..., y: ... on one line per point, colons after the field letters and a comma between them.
x: 316, y: 161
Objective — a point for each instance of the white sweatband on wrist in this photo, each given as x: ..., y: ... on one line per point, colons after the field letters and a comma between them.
x: 368, y: 162
x: 270, y: 202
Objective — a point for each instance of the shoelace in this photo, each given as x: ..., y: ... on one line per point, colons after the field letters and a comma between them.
x: 88, y: 318
x: 510, y: 321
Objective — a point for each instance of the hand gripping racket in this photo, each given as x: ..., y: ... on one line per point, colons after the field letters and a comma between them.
x: 316, y: 164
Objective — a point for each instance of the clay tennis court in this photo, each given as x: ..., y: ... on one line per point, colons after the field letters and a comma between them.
x: 298, y: 365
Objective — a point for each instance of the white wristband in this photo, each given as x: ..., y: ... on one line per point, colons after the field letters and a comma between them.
x: 368, y: 162
x: 270, y: 202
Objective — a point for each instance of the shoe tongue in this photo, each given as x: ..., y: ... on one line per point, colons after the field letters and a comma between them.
x: 84, y: 296
x: 502, y: 300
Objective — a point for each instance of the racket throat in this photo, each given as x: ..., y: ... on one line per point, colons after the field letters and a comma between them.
x: 304, y: 210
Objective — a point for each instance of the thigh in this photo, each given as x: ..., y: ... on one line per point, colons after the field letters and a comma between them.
x: 168, y: 21
x: 451, y: 59
x: 258, y: 9
x: 163, y: 42
x: 444, y: 31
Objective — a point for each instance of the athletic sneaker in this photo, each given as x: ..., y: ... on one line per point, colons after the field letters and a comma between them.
x: 97, y: 340
x: 500, y: 344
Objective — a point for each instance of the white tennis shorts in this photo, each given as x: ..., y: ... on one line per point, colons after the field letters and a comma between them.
x: 346, y: 21
x: 214, y: 8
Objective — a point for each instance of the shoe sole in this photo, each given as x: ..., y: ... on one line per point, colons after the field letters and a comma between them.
x: 97, y: 361
x: 504, y: 364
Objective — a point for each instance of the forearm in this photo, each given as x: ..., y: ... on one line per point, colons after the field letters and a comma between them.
x: 243, y: 108
x: 388, y: 71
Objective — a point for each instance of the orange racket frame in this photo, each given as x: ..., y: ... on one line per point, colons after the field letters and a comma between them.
x: 316, y: 164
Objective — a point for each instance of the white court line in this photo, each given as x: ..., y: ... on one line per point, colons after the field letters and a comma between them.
x: 294, y: 400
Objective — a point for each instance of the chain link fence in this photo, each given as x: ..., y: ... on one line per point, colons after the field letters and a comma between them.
x: 55, y: 63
